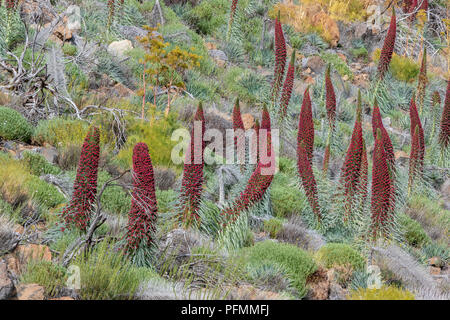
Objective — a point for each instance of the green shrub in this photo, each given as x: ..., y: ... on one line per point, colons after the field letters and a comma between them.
x: 337, y: 64
x: 44, y: 193
x: 51, y: 276
x: 286, y: 199
x: 413, y: 231
x: 360, y: 52
x: 295, y: 261
x: 108, y: 275
x: 69, y: 49
x: 156, y: 136
x: 339, y: 254
x: 273, y: 227
x: 208, y: 16
x: 384, y: 293
x: 38, y: 165
x: 114, y: 199
x: 13, y: 126
x: 165, y: 199
x: 402, y: 68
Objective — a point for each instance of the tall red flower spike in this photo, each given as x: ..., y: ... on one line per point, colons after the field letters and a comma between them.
x: 255, y: 146
x: 306, y: 127
x: 330, y: 102
x: 280, y: 58
x: 422, y: 83
x: 307, y: 178
x: 406, y: 5
x: 351, y: 169
x: 78, y: 212
x: 259, y: 180
x: 192, y: 182
x: 415, y: 121
x: 238, y: 127
x: 143, y: 213
x: 415, y: 164
x: 363, y: 176
x: 287, y: 87
x: 232, y: 13
x: 326, y: 158
x: 382, y: 204
x: 444, y: 134
x: 377, y: 123
x: 388, y: 47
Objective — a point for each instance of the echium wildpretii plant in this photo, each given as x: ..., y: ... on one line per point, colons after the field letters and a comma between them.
x: 444, y: 133
x: 330, y: 105
x: 307, y: 179
x: 377, y: 123
x: 287, y: 87
x: 260, y: 179
x: 143, y: 212
x: 383, y: 191
x: 435, y: 108
x: 351, y: 169
x: 78, y: 211
x: 305, y: 133
x: 417, y: 155
x: 415, y: 121
x: 422, y: 82
x: 280, y: 58
x: 239, y: 131
x: 192, y: 182
x: 388, y: 47
x: 232, y: 15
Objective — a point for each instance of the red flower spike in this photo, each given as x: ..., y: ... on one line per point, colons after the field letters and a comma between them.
x: 330, y: 102
x: 78, y: 212
x: 232, y: 14
x: 192, y: 182
x: 326, y: 158
x: 415, y: 121
x: 238, y: 125
x: 307, y: 178
x: 351, y: 169
x: 259, y: 180
x: 377, y: 123
x: 382, y: 189
x: 363, y: 176
x: 287, y: 87
x: 143, y: 213
x: 306, y: 127
x: 415, y: 164
x: 388, y: 47
x: 444, y: 134
x: 280, y: 58
x: 422, y: 83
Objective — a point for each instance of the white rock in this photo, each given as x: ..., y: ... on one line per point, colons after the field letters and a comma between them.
x: 74, y: 18
x: 118, y: 48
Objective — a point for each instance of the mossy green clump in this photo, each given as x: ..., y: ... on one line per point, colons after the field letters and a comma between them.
x: 402, y: 68
x: 384, y: 293
x: 46, y: 274
x: 60, y: 132
x: 208, y: 16
x: 165, y: 199
x: 296, y: 262
x: 158, y: 138
x: 108, y: 275
x: 273, y: 226
x: 38, y: 165
x: 13, y: 126
x: 286, y: 199
x: 340, y: 254
x: 413, y: 231
x: 69, y: 49
x: 44, y: 193
x: 337, y: 64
